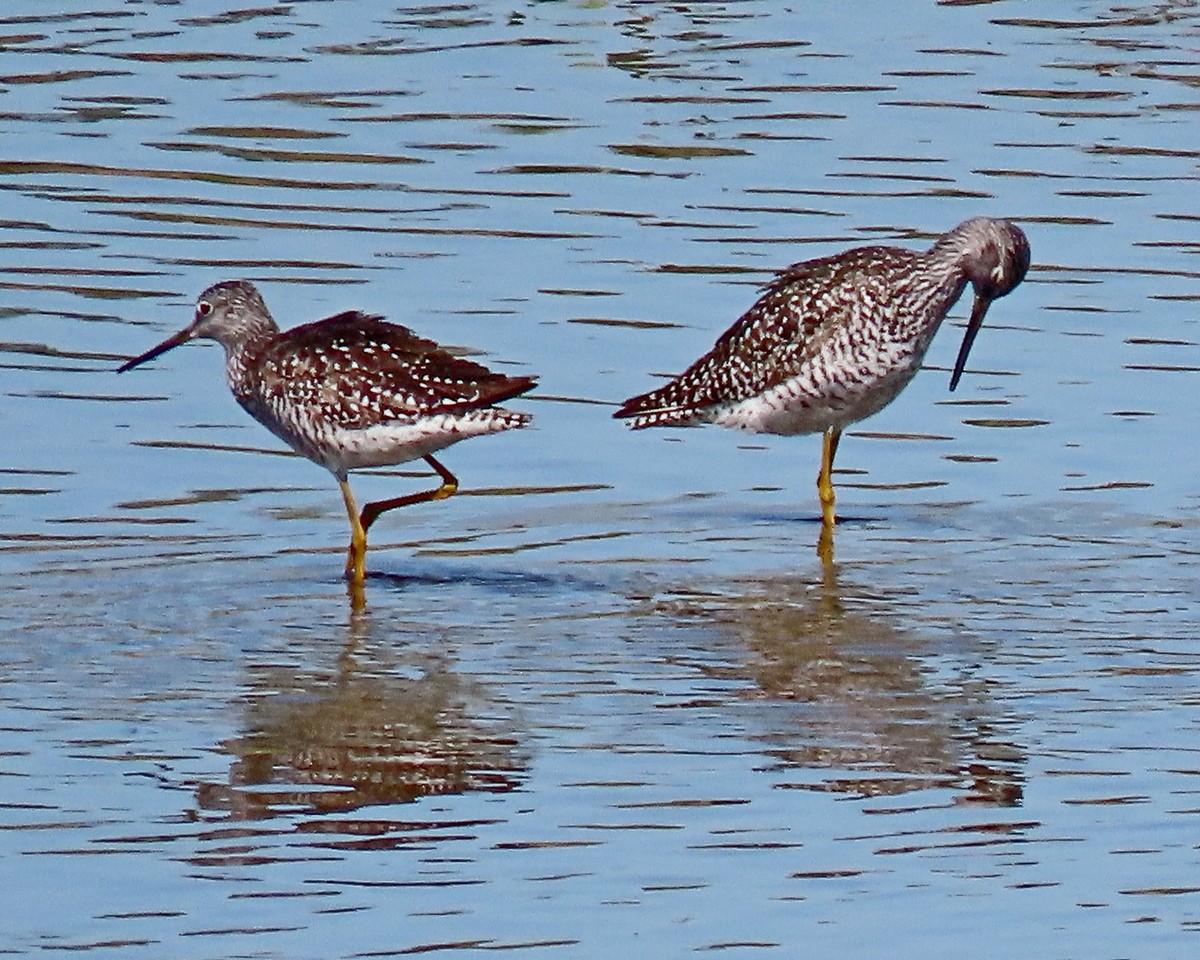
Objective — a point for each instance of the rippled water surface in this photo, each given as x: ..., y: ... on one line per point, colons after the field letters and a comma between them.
x: 607, y: 701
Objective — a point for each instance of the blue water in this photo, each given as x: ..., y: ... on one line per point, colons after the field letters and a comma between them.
x: 607, y: 700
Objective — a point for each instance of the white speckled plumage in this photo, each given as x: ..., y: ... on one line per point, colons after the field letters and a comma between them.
x: 350, y: 391
x: 836, y: 339
x: 354, y: 391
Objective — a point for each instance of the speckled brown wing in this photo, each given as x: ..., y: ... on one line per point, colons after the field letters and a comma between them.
x: 770, y: 342
x: 356, y: 370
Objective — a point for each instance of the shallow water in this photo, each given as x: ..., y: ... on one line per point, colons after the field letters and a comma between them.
x: 606, y: 700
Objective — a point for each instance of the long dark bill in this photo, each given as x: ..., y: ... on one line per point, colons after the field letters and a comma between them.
x: 977, y: 311
x: 183, y: 336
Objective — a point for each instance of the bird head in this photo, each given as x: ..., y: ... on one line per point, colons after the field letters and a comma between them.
x: 994, y: 255
x: 229, y: 312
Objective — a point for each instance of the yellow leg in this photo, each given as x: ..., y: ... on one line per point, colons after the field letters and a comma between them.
x: 825, y: 477
x: 356, y: 556
x: 371, y: 512
x: 360, y: 523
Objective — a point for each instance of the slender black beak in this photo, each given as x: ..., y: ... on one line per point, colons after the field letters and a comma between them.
x: 977, y: 311
x: 183, y: 336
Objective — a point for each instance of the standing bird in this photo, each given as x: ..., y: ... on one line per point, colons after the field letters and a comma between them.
x: 350, y: 391
x: 834, y: 340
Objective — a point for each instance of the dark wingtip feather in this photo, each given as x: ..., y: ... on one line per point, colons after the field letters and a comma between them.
x: 654, y: 409
x: 635, y: 405
x: 504, y: 387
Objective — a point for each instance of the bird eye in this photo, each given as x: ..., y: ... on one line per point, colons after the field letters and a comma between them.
x: 203, y: 309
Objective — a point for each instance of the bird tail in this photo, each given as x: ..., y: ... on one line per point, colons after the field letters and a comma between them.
x: 657, y: 409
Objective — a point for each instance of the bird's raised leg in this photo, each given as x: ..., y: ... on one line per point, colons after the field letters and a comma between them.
x: 356, y: 555
x: 360, y: 523
x: 371, y: 512
x: 825, y: 478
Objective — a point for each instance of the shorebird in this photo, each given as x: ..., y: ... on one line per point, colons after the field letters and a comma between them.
x: 834, y: 340
x: 350, y: 391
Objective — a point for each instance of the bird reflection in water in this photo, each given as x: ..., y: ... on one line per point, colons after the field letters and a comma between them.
x: 366, y: 733
x: 868, y: 711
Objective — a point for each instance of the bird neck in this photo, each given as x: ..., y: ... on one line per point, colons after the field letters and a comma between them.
x: 244, y: 347
x: 949, y: 262
x: 249, y: 335
x: 930, y: 292
x: 970, y: 249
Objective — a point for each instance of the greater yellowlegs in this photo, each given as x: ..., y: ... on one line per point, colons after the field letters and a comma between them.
x: 350, y: 391
x: 834, y: 340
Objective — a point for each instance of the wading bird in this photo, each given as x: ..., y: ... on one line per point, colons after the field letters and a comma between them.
x: 834, y: 340
x: 350, y: 391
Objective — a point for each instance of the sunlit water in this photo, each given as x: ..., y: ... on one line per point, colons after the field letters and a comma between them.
x: 607, y: 701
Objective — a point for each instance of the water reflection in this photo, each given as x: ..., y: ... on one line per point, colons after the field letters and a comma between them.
x: 594, y: 188
x: 874, y: 714
x: 376, y: 728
